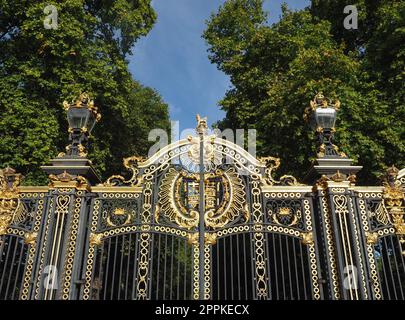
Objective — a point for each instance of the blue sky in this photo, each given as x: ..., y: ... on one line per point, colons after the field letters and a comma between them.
x: 173, y: 58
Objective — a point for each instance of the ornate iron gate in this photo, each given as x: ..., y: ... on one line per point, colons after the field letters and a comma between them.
x: 201, y: 219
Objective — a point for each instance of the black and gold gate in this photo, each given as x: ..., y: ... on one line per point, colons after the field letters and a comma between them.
x: 201, y: 219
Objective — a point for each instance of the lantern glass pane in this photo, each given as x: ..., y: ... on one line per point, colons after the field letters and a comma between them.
x: 77, y: 117
x: 325, y: 117
x: 91, y: 122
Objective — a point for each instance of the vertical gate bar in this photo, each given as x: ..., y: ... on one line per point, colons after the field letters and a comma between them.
x: 201, y: 220
x: 178, y: 268
x: 397, y: 266
x: 12, y: 266
x: 232, y: 275
x: 158, y: 268
x: 114, y: 267
x: 171, y: 268
x: 99, y: 255
x: 218, y: 275
x: 185, y: 272
x: 275, y: 259
x: 383, y: 269
x: 289, y: 267
x: 280, y: 245
x: 296, y: 269
x: 107, y: 269
x: 225, y: 268
x: 238, y: 264
x: 164, y: 269
x: 128, y: 263
x: 252, y: 264
x: 18, y: 269
x: 2, y: 242
x: 121, y: 265
x: 5, y: 263
x: 389, y: 267
x: 267, y: 247
x: 134, y: 292
x: 245, y: 265
x: 303, y: 272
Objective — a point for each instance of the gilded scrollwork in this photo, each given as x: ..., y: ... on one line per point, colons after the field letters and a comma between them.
x: 393, y: 200
x: 12, y: 210
x: 136, y: 179
x: 271, y: 165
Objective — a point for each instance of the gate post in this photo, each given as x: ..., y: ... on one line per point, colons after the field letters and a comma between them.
x: 340, y: 229
x: 59, y: 251
x: 338, y: 203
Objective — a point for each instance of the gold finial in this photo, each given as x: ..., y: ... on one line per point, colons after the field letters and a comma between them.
x: 202, y: 126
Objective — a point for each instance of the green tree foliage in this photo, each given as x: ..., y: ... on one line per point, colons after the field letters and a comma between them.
x: 39, y: 68
x: 276, y: 69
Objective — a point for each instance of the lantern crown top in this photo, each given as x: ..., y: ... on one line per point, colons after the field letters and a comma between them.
x: 320, y: 101
x: 83, y: 101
